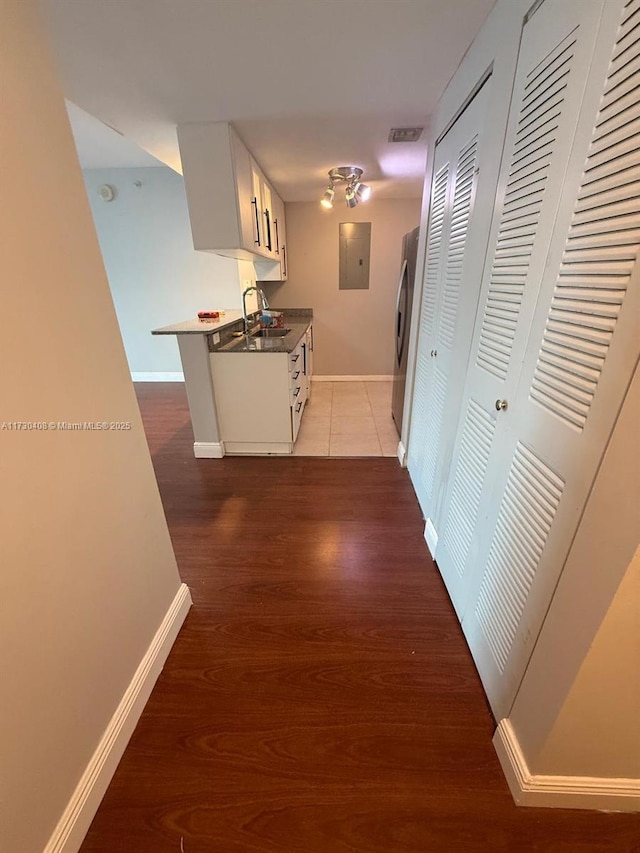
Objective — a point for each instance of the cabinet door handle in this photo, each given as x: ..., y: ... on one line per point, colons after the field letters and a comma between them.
x: 295, y: 357
x: 275, y: 223
x: 295, y: 375
x: 268, y: 218
x: 501, y: 405
x: 255, y: 205
x: 299, y: 406
x: 284, y: 260
x: 297, y: 391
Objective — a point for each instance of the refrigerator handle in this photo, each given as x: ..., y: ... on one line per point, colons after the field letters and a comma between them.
x: 401, y: 313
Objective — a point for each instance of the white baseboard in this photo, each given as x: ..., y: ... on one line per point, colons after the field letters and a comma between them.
x: 80, y: 811
x: 562, y: 792
x: 157, y: 377
x: 402, y: 455
x: 431, y: 537
x: 376, y: 378
x: 258, y: 448
x: 208, y: 449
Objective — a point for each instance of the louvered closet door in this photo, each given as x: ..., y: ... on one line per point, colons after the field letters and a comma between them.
x: 584, y: 346
x: 428, y: 395
x: 555, y: 54
x: 452, y: 202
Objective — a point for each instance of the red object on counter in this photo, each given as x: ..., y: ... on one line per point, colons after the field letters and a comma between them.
x: 208, y: 315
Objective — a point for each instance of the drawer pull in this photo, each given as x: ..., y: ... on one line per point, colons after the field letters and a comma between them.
x: 295, y: 357
x: 297, y: 391
x: 296, y: 374
x: 299, y: 406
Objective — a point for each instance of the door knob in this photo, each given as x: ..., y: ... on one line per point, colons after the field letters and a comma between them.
x: 501, y: 405
x: 434, y: 352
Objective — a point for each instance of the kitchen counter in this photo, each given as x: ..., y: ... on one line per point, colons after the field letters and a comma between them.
x: 199, y: 339
x: 247, y: 343
x: 201, y: 327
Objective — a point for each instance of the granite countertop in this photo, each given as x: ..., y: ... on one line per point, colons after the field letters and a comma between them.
x: 247, y: 343
x: 201, y: 327
x: 296, y: 319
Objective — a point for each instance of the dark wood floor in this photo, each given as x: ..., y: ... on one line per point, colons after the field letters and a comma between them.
x: 320, y: 697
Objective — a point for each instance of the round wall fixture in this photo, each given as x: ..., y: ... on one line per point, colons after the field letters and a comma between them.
x: 107, y: 192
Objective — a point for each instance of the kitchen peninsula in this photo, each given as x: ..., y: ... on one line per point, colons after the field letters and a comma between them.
x: 246, y: 389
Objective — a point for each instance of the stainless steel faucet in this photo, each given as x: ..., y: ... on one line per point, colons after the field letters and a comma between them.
x: 263, y: 302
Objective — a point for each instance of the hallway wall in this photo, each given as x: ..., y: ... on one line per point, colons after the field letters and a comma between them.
x: 353, y: 329
x: 155, y: 275
x: 87, y: 567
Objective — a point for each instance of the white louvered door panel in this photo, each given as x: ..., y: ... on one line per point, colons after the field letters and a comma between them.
x: 422, y: 415
x: 584, y: 346
x: 435, y: 408
x: 555, y: 55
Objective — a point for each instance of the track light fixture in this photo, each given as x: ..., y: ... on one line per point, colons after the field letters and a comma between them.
x: 327, y: 198
x: 355, y: 191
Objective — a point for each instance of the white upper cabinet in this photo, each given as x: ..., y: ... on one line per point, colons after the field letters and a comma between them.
x: 231, y: 202
x: 268, y: 270
x: 280, y: 235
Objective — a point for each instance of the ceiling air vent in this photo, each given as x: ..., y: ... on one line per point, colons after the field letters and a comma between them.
x: 405, y: 134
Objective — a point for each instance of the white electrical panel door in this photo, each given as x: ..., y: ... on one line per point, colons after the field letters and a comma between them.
x: 439, y: 345
x: 584, y: 343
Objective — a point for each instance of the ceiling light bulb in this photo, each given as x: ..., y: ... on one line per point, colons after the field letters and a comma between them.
x: 327, y: 199
x: 363, y: 192
x: 350, y: 196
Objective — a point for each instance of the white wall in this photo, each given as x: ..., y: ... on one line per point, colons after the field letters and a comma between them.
x: 353, y: 329
x: 595, y: 729
x: 156, y: 276
x: 87, y: 568
x: 577, y: 710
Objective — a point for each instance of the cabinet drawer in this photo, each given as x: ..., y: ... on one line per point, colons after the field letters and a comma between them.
x: 295, y: 359
x: 296, y: 415
x: 296, y: 376
x: 297, y: 391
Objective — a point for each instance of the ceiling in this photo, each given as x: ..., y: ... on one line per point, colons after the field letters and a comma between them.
x: 308, y: 84
x: 101, y: 147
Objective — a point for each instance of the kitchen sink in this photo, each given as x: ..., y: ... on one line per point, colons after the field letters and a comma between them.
x: 270, y: 333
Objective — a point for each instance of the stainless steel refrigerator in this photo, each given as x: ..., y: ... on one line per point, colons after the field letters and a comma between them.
x: 403, y: 322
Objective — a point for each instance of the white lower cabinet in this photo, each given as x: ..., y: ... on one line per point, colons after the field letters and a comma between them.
x: 260, y: 399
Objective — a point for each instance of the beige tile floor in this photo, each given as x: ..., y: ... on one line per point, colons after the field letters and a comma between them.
x: 348, y: 419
